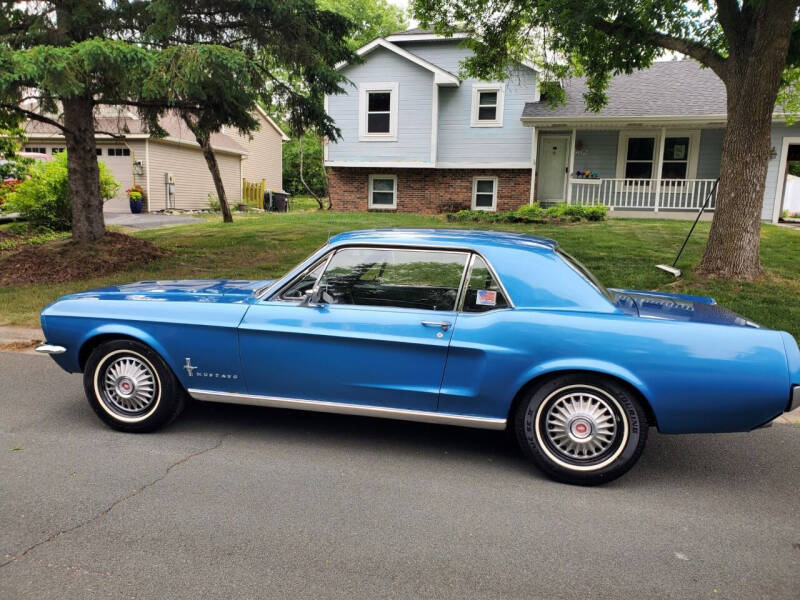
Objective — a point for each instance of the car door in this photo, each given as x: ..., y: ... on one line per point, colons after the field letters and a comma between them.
x: 379, y: 336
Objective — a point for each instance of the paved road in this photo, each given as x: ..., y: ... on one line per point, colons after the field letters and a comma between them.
x: 239, y: 502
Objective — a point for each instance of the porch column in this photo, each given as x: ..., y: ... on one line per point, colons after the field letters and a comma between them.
x: 571, y: 166
x: 659, y: 165
x: 534, y: 156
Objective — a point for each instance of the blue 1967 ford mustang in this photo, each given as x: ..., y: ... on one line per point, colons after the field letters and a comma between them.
x: 481, y: 329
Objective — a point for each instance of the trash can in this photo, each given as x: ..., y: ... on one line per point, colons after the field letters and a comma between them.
x: 276, y: 201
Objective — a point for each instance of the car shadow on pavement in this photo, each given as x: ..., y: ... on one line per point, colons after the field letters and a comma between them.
x: 718, y: 460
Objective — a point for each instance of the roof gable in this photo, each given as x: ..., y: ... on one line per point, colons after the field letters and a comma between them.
x: 440, y: 76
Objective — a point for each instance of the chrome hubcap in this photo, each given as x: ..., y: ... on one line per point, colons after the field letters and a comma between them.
x: 581, y: 425
x: 130, y: 385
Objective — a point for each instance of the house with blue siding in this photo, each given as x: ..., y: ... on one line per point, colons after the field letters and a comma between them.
x: 416, y: 137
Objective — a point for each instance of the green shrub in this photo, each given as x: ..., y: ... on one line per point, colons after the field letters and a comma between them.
x: 43, y: 198
x: 533, y: 213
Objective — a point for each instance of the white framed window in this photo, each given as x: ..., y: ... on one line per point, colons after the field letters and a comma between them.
x: 119, y: 152
x: 484, y: 193
x: 35, y: 149
x: 383, y: 191
x: 377, y: 114
x: 487, y: 104
x: 57, y: 149
x: 638, y: 155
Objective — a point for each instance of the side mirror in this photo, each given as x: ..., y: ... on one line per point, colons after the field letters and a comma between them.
x: 314, y: 298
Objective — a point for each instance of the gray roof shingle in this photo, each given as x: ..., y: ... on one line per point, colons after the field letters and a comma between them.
x: 670, y: 88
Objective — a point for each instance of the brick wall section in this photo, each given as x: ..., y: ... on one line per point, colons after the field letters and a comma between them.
x: 427, y: 190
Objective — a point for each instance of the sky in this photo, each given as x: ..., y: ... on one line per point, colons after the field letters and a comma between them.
x: 404, y: 4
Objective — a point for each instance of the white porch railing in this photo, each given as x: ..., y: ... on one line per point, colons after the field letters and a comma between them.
x: 643, y: 194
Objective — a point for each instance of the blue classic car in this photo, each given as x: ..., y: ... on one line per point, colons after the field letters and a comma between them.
x: 472, y: 328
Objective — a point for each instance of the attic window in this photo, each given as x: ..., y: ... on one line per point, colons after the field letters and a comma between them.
x: 487, y: 105
x: 377, y: 120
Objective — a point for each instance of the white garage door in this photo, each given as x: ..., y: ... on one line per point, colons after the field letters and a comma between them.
x: 118, y: 161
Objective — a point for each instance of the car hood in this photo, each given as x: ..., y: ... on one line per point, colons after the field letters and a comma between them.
x: 676, y: 307
x: 179, y: 290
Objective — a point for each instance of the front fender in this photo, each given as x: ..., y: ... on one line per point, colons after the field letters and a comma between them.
x: 131, y: 331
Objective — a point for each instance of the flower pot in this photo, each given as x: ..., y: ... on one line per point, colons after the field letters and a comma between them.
x: 136, y: 205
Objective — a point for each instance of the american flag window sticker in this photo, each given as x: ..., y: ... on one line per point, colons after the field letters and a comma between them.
x: 486, y: 298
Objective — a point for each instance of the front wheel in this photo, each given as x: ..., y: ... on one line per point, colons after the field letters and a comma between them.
x: 130, y: 387
x: 582, y: 429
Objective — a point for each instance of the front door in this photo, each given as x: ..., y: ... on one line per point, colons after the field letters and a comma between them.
x: 552, y: 168
x: 378, y: 338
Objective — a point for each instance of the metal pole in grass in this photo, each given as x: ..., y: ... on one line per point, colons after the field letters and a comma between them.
x: 673, y: 270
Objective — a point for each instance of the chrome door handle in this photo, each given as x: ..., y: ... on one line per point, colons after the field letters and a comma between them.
x: 445, y: 325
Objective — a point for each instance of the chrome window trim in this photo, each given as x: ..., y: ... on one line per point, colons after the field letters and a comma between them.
x: 415, y: 247
x: 462, y: 289
x: 494, y: 276
x: 350, y: 409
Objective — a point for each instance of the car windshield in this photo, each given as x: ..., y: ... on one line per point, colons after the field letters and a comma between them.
x: 586, y: 274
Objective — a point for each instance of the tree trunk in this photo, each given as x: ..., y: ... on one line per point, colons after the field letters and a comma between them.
x: 325, y: 172
x: 753, y: 78
x: 213, y: 166
x: 83, y: 173
x: 303, y: 180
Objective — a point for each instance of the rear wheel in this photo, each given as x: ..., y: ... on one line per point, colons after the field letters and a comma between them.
x: 581, y: 428
x: 130, y: 387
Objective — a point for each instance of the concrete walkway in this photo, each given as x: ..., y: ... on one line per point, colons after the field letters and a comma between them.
x: 147, y: 221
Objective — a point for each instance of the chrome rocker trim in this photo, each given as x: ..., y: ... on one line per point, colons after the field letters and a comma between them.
x: 795, y: 401
x: 350, y: 409
x: 50, y: 349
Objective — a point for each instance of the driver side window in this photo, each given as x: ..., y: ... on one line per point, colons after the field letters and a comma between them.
x: 402, y: 278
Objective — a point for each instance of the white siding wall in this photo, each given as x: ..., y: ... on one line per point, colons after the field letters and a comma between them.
x: 415, y: 94
x: 264, y: 154
x: 193, y: 181
x: 599, y: 151
x: 458, y: 141
x: 710, y: 156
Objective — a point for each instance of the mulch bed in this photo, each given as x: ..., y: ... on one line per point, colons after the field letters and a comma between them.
x: 65, y: 260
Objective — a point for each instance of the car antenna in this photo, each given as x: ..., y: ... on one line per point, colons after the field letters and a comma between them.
x: 672, y: 269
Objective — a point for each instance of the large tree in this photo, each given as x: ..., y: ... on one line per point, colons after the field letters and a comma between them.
x: 62, y: 59
x: 752, y: 45
x: 370, y: 18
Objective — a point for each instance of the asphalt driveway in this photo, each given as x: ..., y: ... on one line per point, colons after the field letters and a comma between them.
x: 240, y: 502
x: 146, y: 220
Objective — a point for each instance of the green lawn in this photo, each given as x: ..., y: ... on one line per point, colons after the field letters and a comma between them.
x: 622, y: 253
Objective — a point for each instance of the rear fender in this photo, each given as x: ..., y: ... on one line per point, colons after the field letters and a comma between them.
x: 583, y: 364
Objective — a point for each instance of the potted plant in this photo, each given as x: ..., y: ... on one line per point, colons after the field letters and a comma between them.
x: 136, y: 198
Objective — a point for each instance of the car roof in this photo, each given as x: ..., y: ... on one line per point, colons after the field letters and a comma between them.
x: 458, y: 238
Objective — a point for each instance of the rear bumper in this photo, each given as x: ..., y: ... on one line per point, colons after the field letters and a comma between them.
x: 794, y: 401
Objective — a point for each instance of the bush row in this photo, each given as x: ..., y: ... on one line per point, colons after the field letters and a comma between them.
x: 533, y: 213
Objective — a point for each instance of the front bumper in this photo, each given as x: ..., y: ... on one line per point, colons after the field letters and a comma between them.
x: 794, y: 401
x: 50, y: 349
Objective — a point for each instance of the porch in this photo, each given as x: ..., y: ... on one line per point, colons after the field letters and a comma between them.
x: 643, y: 194
x: 629, y: 169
